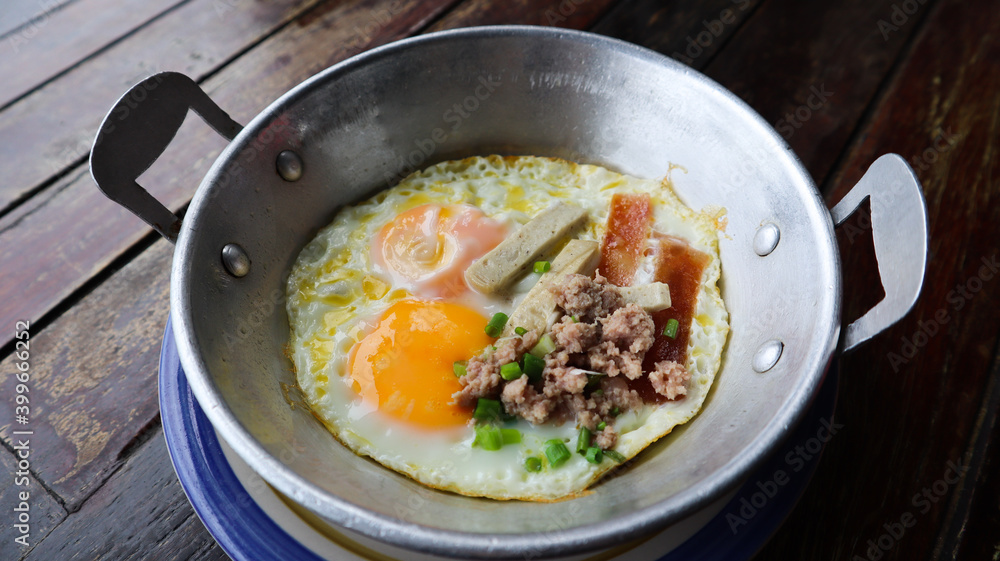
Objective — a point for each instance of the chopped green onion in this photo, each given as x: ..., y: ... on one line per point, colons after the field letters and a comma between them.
x: 602, y: 425
x: 594, y: 380
x: 594, y: 455
x: 575, y: 319
x: 488, y: 437
x: 533, y: 464
x: 615, y: 411
x: 583, y: 440
x: 488, y: 410
x: 510, y: 371
x: 459, y: 367
x: 533, y: 367
x: 542, y: 267
x: 597, y: 392
x: 671, y: 328
x: 495, y: 326
x: 556, y: 452
x: 544, y: 346
x: 510, y: 436
x: 614, y: 456
x: 520, y: 330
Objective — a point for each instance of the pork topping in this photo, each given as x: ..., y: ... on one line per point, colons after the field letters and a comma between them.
x: 597, y: 347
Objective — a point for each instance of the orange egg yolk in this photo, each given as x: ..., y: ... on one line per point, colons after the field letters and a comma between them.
x: 428, y: 248
x: 404, y: 366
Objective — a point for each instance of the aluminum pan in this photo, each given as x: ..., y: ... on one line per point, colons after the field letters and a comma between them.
x: 560, y: 93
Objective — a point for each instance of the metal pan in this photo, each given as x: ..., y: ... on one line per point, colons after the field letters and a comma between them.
x: 359, y: 126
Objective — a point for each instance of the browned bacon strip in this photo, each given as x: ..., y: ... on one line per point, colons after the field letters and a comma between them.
x: 629, y: 221
x: 680, y: 266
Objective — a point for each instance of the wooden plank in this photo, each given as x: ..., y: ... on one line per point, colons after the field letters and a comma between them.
x: 74, y: 225
x: 972, y: 527
x: 909, y: 398
x: 691, y: 31
x: 55, y: 125
x: 571, y: 14
x: 42, y: 510
x: 86, y: 424
x: 94, y: 378
x: 140, y: 513
x: 36, y: 53
x: 83, y: 388
x: 17, y: 16
x: 814, y: 106
x: 79, y: 232
x: 979, y: 532
x: 811, y: 68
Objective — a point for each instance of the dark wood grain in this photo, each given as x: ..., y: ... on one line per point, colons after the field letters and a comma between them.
x: 690, y: 31
x: 570, y: 14
x: 43, y: 511
x: 18, y: 16
x: 155, y: 522
x: 54, y: 126
x: 94, y: 378
x: 77, y: 461
x: 924, y: 79
x: 45, y: 49
x: 977, y: 530
x: 810, y: 68
x: 80, y: 232
x: 87, y: 424
x: 76, y: 226
x: 910, y: 398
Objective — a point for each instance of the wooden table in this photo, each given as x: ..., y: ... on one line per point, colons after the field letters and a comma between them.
x: 843, y: 81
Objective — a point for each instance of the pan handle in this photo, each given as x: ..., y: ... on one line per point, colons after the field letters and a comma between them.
x: 899, y: 231
x: 135, y: 133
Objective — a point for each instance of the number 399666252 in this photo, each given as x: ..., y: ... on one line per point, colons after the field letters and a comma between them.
x: 22, y: 354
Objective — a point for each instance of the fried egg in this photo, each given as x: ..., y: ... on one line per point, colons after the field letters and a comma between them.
x: 379, y: 312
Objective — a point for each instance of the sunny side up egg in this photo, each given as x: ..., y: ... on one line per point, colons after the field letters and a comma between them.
x: 379, y: 312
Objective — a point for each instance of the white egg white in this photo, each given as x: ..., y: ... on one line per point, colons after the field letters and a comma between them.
x: 334, y: 294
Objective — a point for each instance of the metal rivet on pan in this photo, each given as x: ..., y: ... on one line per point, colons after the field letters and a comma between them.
x: 767, y: 355
x: 766, y: 239
x: 236, y: 260
x: 289, y: 165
